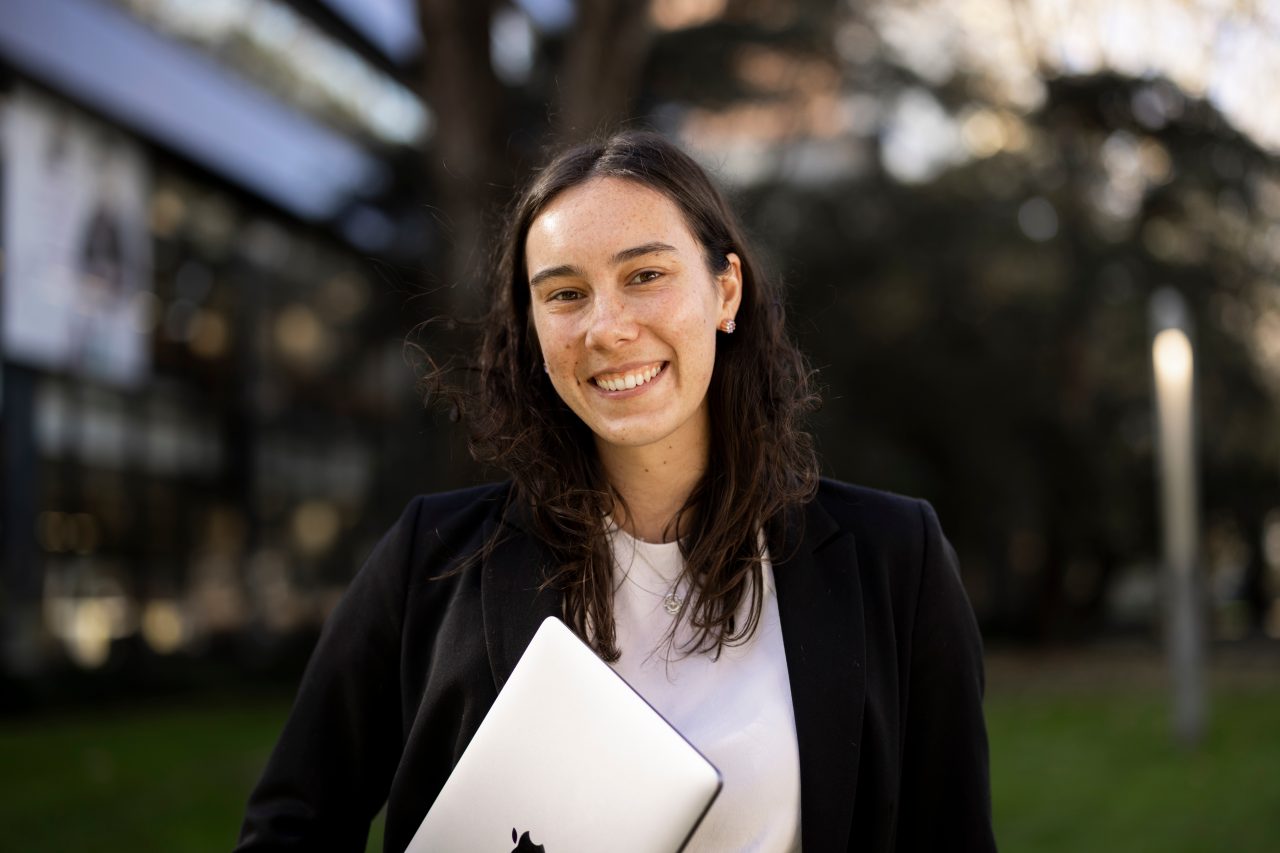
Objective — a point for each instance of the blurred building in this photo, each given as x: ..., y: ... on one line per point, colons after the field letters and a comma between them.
x: 200, y: 373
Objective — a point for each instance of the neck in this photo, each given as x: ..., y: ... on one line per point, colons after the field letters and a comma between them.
x: 655, y: 482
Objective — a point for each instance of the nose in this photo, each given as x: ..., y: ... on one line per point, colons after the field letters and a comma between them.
x: 611, y: 321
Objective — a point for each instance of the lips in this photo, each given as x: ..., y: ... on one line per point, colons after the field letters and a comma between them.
x: 629, y: 378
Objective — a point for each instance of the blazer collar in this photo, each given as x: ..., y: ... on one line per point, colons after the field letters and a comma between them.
x: 815, y: 574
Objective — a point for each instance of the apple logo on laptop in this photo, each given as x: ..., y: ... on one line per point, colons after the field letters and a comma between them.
x: 525, y: 844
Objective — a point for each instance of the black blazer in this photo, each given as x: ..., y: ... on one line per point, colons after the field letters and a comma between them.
x: 883, y: 652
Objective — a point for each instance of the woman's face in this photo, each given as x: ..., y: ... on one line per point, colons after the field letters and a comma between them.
x: 626, y: 312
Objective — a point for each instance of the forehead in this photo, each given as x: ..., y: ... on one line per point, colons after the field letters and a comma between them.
x: 598, y: 218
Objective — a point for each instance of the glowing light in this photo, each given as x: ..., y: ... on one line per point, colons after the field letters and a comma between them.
x: 1171, y: 353
x: 299, y: 333
x: 163, y: 627
x: 315, y: 526
x: 681, y: 14
x: 87, y: 626
x: 983, y: 133
x: 89, y: 642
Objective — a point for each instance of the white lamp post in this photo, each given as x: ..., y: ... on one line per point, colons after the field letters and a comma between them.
x: 1174, y: 363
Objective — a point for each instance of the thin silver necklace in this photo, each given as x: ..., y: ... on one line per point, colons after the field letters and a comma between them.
x: 671, y: 601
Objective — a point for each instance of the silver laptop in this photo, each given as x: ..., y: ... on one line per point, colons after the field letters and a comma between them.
x: 570, y: 758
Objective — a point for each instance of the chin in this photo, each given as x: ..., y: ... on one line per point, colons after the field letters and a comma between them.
x: 626, y: 435
x: 626, y: 439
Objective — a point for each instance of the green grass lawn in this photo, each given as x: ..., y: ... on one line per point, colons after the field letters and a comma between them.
x: 1072, y: 770
x: 1099, y: 772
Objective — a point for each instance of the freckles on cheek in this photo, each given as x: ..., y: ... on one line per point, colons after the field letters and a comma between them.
x: 569, y: 366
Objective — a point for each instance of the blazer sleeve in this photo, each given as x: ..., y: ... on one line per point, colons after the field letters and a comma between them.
x: 945, y: 795
x: 332, y: 766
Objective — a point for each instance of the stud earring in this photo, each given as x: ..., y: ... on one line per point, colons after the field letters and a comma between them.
x: 545, y: 368
x: 728, y: 326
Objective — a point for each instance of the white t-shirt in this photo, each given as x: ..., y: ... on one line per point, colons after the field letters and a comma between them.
x: 736, y: 710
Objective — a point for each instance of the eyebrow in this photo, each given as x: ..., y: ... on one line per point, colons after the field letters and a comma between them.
x: 621, y: 256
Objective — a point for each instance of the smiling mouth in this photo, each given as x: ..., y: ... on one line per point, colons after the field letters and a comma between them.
x: 630, y: 379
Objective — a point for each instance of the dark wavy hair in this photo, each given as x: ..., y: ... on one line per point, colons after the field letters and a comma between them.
x: 762, y: 462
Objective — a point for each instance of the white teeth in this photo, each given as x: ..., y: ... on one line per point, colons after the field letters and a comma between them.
x: 628, y: 380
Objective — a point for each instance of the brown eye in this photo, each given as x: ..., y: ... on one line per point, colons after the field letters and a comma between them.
x: 646, y: 276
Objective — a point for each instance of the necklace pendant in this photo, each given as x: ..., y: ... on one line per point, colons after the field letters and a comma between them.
x: 672, y: 603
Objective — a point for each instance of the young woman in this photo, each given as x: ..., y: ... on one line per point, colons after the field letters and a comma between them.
x: 811, y: 638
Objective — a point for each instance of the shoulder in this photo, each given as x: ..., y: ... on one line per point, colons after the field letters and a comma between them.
x: 435, y: 531
x: 875, y: 514
x: 898, y: 539
x: 489, y: 499
x: 854, y: 500
x: 473, y: 507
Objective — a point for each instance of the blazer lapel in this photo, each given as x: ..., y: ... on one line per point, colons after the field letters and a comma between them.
x: 511, y: 602
x: 820, y: 610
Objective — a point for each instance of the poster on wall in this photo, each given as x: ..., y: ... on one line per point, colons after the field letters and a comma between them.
x: 77, y: 247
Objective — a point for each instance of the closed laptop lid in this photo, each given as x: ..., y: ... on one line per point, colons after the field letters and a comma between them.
x: 570, y: 758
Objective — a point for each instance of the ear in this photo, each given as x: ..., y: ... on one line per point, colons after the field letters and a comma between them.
x: 730, y: 283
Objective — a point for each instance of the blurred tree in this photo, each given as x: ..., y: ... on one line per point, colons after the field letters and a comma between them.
x: 983, y: 340
x: 977, y: 308
x: 609, y: 68
x: 604, y: 56
x: 589, y: 79
x: 466, y: 164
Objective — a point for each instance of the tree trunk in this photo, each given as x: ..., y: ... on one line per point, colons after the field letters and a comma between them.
x: 465, y: 159
x: 603, y: 63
